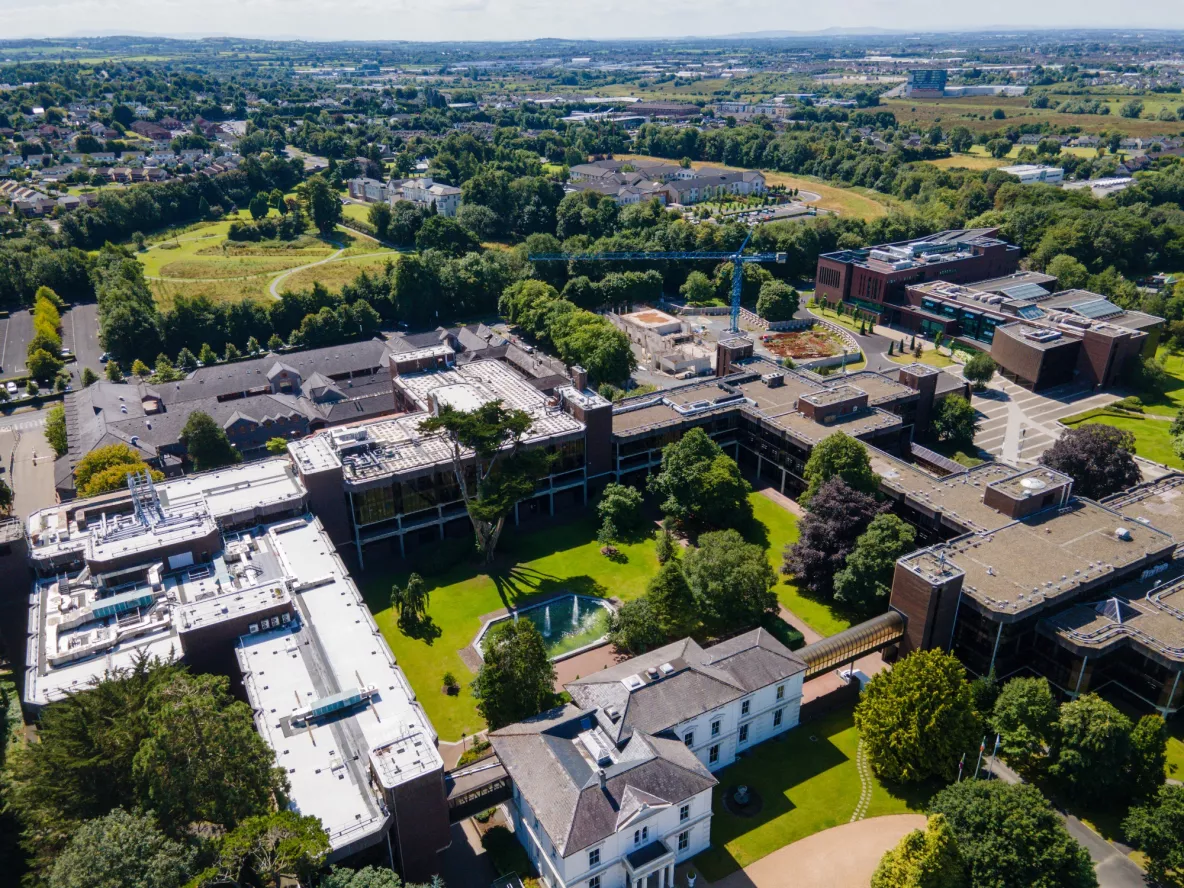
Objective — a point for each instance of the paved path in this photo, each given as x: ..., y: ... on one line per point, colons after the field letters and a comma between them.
x: 841, y: 857
x: 1114, y: 868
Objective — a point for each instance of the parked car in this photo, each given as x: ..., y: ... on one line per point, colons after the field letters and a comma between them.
x: 104, y: 358
x: 11, y: 388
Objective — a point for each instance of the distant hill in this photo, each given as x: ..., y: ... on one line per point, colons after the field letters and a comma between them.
x: 825, y: 32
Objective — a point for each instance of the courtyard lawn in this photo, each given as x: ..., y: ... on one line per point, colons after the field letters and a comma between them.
x: 930, y: 357
x: 1171, y: 399
x: 1175, y: 765
x: 1152, y: 440
x: 563, y: 557
x: 807, y: 782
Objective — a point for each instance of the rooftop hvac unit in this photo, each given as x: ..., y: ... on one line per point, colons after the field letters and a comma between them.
x: 773, y: 380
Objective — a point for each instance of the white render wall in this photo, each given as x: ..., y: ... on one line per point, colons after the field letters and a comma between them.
x: 759, y: 719
x: 574, y: 871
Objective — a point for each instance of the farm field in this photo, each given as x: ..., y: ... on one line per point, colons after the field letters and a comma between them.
x: 200, y: 260
x: 966, y: 111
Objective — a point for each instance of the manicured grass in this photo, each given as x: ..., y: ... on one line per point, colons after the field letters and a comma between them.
x: 930, y: 357
x: 1169, y: 401
x: 782, y: 529
x: 808, y: 782
x: 530, y: 563
x: 1152, y: 440
x: 357, y: 212
x: 829, y: 314
x: 1175, y: 766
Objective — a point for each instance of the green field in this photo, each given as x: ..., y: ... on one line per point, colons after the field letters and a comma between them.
x: 564, y: 558
x: 200, y: 260
x: 1152, y: 440
x: 807, y: 782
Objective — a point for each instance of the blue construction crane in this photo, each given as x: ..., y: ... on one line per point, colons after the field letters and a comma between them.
x: 737, y: 258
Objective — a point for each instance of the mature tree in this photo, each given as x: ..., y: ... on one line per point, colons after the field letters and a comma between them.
x: 1025, y: 717
x: 621, y: 504
x: 864, y: 581
x: 140, y: 369
x: 928, y: 859
x: 113, y: 372
x: 918, y: 719
x: 635, y: 626
x: 121, y: 849
x: 1011, y: 837
x: 1157, y: 829
x: 486, y: 441
x: 1070, y: 273
x: 270, y: 847
x: 366, y: 877
x: 80, y: 768
x: 778, y: 301
x: 1099, y: 459
x: 206, y: 442
x: 323, y: 204
x: 5, y: 497
x: 42, y: 364
x: 672, y: 601
x: 828, y: 532
x: 697, y: 288
x: 979, y: 370
x: 55, y: 429
x: 89, y: 377
x: 207, y: 355
x: 960, y: 139
x: 202, y: 759
x: 664, y: 546
x: 277, y: 446
x: 259, y: 206
x: 93, y: 474
x: 838, y: 454
x: 1149, y: 755
x: 731, y: 580
x: 412, y: 600
x: 1091, y: 750
x: 955, y: 422
x: 274, y: 342
x: 516, y: 679
x: 446, y: 235
x: 700, y: 483
x: 379, y: 215
x: 406, y: 219
x: 484, y: 223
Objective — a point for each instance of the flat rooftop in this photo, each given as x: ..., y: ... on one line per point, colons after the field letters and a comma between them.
x: 334, y: 647
x: 395, y: 446
x: 1160, y: 504
x: 1153, y: 623
x: 1042, y: 560
x: 221, y: 496
x: 944, y: 247
x: 776, y: 404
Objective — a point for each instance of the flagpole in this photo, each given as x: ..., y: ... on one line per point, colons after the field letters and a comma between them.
x: 991, y: 767
x: 979, y: 764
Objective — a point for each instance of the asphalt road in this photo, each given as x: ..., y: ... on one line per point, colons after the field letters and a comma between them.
x: 15, y: 332
x: 1114, y: 868
x: 80, y: 334
x: 27, y: 461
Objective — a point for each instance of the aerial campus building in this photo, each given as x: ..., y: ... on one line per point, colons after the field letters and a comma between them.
x: 964, y: 286
x: 1020, y: 575
x: 385, y: 481
x: 613, y: 790
x: 229, y: 571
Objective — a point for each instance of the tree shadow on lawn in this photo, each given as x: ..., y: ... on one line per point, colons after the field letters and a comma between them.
x: 773, y: 769
x: 519, y: 586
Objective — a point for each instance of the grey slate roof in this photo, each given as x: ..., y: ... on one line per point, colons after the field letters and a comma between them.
x: 699, y: 681
x: 543, y: 757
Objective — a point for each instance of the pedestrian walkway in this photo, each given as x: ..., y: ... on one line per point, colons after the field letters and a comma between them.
x: 1018, y: 425
x: 841, y: 857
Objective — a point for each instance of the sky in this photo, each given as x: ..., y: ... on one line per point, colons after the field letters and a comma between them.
x: 435, y: 20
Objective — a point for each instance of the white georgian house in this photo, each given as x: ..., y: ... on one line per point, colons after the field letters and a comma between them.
x: 614, y: 790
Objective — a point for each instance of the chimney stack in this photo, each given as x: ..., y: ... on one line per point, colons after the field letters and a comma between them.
x: 603, y: 778
x: 579, y: 377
